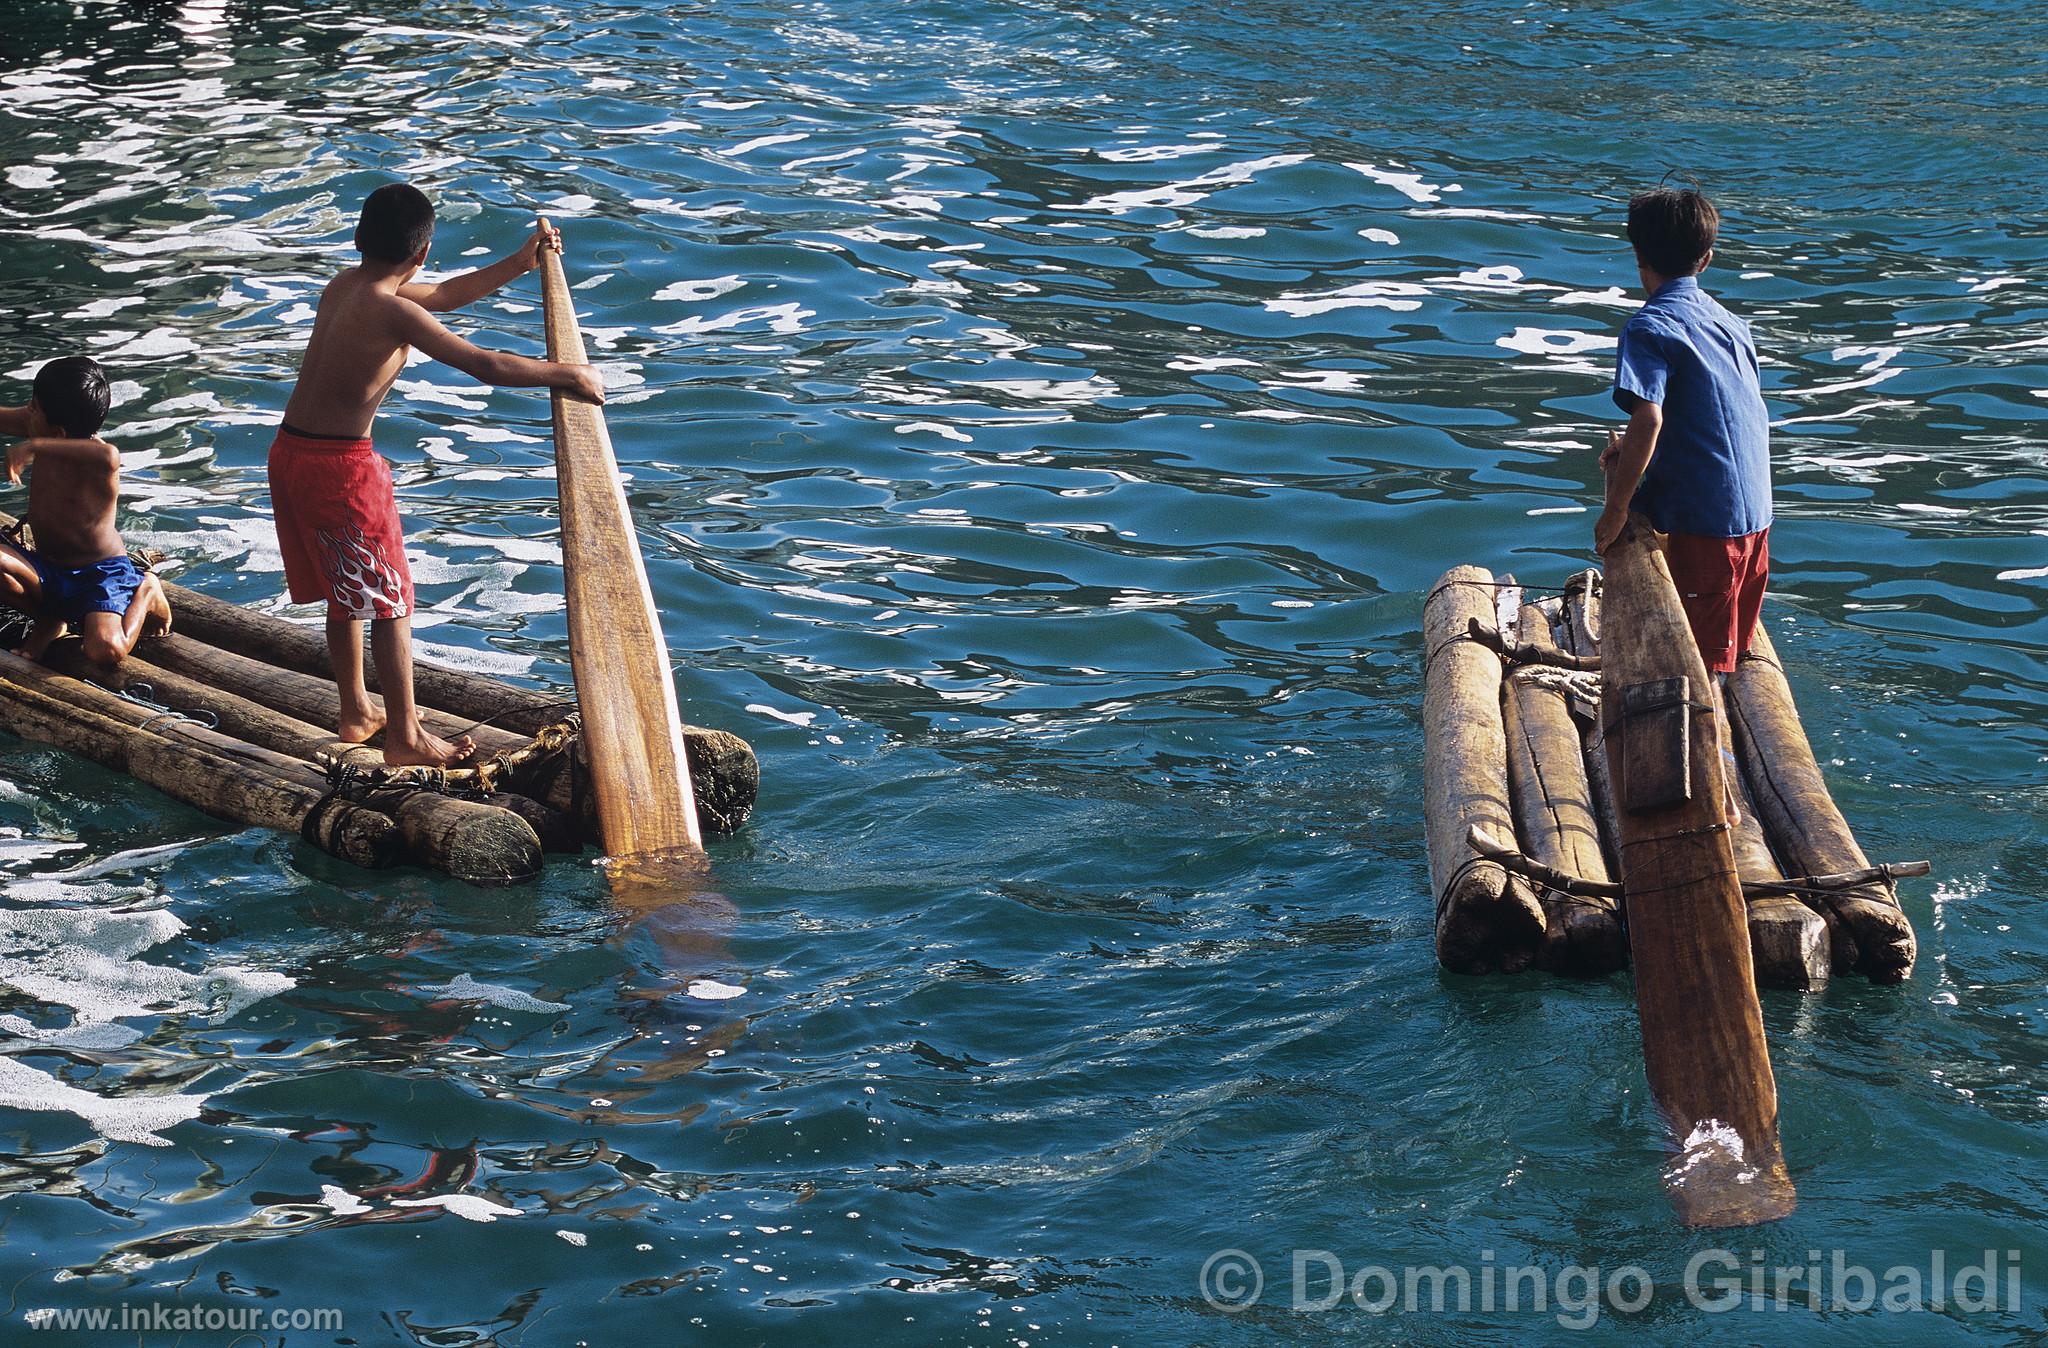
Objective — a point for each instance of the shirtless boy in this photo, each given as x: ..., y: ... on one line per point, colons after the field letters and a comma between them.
x: 79, y: 572
x: 337, y: 520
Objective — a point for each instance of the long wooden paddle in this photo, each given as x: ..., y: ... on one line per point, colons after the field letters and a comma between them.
x: 1703, y: 1032
x: 632, y: 735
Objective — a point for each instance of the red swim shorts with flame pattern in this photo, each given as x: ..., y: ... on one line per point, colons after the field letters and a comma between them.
x: 337, y: 525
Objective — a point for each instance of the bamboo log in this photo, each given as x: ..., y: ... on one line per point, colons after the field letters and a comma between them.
x: 480, y: 843
x: 288, y: 645
x: 1703, y: 1033
x: 726, y: 774
x: 723, y: 769
x: 211, y: 772
x: 1789, y: 943
x: 1486, y: 919
x: 1578, y: 631
x: 1800, y: 817
x: 1553, y: 813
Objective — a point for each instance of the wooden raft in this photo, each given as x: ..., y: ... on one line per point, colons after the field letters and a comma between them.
x: 1510, y: 751
x: 1573, y: 801
x: 234, y: 713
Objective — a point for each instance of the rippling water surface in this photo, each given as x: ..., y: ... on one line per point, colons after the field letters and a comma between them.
x: 1043, y: 419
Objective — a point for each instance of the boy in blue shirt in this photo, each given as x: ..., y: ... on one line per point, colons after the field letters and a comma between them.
x: 1696, y: 456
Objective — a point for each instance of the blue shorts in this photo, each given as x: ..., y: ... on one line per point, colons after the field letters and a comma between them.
x: 105, y: 586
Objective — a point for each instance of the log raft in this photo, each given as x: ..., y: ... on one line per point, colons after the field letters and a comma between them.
x: 1593, y: 779
x: 1794, y: 852
x: 233, y: 714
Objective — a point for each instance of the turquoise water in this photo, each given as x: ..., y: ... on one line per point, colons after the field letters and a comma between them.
x: 1044, y: 420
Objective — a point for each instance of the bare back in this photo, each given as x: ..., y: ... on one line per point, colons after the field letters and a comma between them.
x: 71, y: 500
x: 355, y: 354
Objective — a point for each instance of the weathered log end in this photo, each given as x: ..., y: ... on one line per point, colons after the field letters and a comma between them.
x: 725, y: 775
x: 473, y: 841
x: 1583, y: 937
x: 1489, y: 922
x: 1884, y: 945
x: 1790, y: 945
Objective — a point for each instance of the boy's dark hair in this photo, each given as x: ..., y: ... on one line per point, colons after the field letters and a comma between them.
x: 397, y: 222
x: 1673, y: 229
x: 73, y: 394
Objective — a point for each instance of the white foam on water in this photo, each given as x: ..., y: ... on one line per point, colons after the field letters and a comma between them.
x: 340, y: 1201
x: 1151, y: 154
x: 576, y: 1238
x: 763, y: 142
x: 785, y: 319
x: 938, y: 428
x: 463, y: 988
x: 1554, y: 342
x: 31, y: 176
x: 119, y: 1118
x: 1395, y: 295
x: 85, y: 960
x: 1409, y: 185
x: 796, y: 718
x: 710, y: 288
x: 1192, y: 190
x: 469, y: 1207
x: 710, y: 990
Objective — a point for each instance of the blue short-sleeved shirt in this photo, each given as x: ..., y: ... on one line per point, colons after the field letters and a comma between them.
x: 1711, y: 472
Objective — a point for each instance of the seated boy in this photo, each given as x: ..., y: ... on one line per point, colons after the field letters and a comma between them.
x: 79, y: 572
x: 1696, y: 457
x: 337, y: 520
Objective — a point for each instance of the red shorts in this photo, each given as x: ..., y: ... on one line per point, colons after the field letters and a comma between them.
x: 337, y: 525
x: 1721, y: 583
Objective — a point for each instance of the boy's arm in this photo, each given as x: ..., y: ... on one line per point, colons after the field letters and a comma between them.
x: 458, y: 291
x: 84, y: 453
x: 14, y: 420
x: 420, y: 329
x: 1626, y: 458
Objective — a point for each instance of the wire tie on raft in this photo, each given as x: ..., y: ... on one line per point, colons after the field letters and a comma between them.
x: 144, y: 695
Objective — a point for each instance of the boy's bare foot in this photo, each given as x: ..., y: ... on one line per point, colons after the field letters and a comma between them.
x: 156, y: 621
x: 41, y: 637
x: 421, y: 749
x: 360, y: 729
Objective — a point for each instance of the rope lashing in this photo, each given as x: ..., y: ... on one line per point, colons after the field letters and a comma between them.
x: 492, y: 774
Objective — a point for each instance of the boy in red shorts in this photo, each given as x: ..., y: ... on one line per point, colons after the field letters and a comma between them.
x: 337, y: 521
x: 1696, y: 456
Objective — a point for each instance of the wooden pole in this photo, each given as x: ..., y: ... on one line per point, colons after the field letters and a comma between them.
x: 632, y: 734
x: 1805, y: 828
x: 211, y: 772
x: 481, y: 843
x: 1486, y: 919
x: 1703, y: 1032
